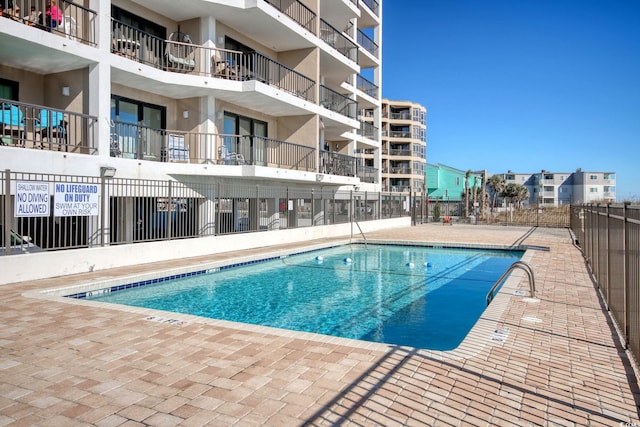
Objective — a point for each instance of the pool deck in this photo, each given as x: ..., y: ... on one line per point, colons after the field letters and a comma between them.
x: 556, y: 360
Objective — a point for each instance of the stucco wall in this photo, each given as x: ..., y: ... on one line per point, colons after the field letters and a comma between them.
x: 19, y: 268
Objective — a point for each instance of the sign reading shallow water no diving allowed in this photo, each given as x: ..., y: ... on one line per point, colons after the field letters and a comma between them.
x: 32, y: 199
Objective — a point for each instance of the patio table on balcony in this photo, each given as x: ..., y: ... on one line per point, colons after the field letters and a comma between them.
x: 127, y: 47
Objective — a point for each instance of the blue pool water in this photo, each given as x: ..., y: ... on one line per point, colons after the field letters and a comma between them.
x: 414, y: 296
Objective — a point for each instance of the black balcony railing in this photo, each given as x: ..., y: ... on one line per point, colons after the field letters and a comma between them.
x: 337, y: 102
x: 255, y: 66
x: 36, y: 126
x: 368, y: 130
x: 296, y: 11
x: 339, y: 41
x: 366, y: 173
x: 367, y: 44
x: 134, y: 141
x: 337, y: 164
x: 69, y: 19
x: 262, y: 151
x: 366, y: 86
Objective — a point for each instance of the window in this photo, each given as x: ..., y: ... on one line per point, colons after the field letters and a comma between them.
x: 593, y: 177
x: 510, y: 178
x: 457, y: 180
x: 138, y: 22
x: 9, y: 89
x: 138, y: 128
x: 245, y: 136
x: 593, y: 190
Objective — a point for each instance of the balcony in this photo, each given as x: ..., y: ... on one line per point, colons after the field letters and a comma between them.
x: 339, y: 41
x: 367, y: 44
x: 40, y: 127
x: 400, y: 115
x: 337, y: 164
x: 399, y: 134
x: 296, y: 11
x: 372, y: 5
x: 76, y: 21
x: 366, y: 173
x: 338, y: 103
x: 161, y: 145
x: 368, y: 130
x: 366, y: 86
x: 187, y: 58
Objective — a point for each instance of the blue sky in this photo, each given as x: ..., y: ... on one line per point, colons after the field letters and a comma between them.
x: 521, y: 85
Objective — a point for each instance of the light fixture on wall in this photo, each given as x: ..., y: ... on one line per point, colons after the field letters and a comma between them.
x: 220, y: 115
x: 221, y: 40
x: 185, y: 114
x: 107, y: 171
x: 66, y: 91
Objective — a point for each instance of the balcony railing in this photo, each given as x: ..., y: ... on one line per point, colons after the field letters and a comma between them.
x: 337, y: 164
x: 367, y: 44
x: 372, y: 5
x: 337, y: 102
x: 262, y: 151
x: 183, y: 57
x: 399, y: 152
x: 161, y: 145
x: 76, y: 23
x: 255, y: 66
x: 366, y: 86
x: 366, y: 173
x: 401, y: 115
x: 368, y: 130
x: 36, y: 126
x: 339, y: 41
x: 296, y: 11
x: 399, y: 134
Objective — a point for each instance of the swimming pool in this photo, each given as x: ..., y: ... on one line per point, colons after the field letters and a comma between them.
x: 423, y: 297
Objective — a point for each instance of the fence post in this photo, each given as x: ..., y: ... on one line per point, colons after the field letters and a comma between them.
x: 170, y: 212
x: 102, y: 210
x: 7, y: 212
x: 625, y: 273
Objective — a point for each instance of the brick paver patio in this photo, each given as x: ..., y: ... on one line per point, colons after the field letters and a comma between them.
x: 82, y: 363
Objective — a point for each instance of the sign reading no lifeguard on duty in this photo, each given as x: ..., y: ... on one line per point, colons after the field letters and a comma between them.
x: 76, y: 200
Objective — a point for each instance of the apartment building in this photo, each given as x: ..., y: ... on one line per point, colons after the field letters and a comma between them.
x: 255, y: 93
x: 562, y: 188
x: 404, y: 145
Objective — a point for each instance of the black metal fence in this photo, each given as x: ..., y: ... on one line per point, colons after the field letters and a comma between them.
x: 609, y: 236
x: 41, y: 212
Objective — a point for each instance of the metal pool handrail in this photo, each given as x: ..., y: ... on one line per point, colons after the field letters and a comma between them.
x: 518, y: 264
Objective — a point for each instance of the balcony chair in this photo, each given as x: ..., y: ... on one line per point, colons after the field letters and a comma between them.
x: 180, y: 53
x: 228, y: 158
x: 52, y: 126
x: 70, y: 27
x: 12, y: 124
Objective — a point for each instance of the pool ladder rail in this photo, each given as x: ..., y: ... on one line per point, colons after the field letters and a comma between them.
x: 518, y: 264
x: 361, y: 233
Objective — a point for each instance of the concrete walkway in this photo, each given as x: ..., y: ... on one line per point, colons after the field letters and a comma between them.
x: 86, y: 363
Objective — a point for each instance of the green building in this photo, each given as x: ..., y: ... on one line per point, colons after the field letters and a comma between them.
x: 446, y: 183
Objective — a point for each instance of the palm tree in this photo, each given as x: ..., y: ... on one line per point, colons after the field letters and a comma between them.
x: 516, y: 193
x: 497, y: 184
x: 484, y: 194
x: 466, y: 193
